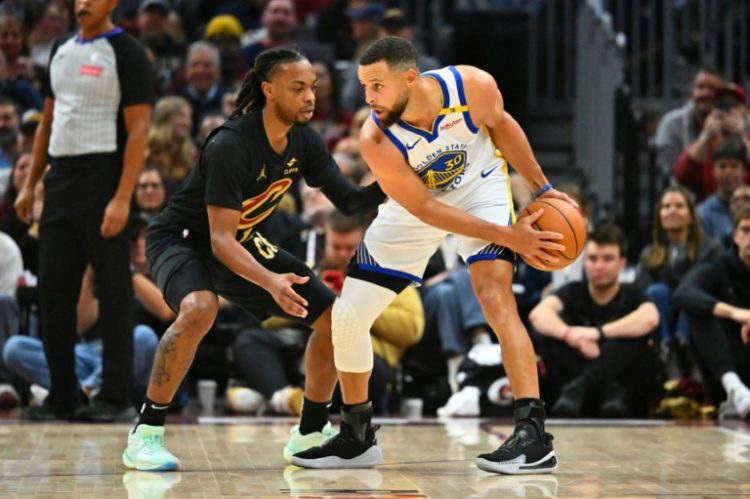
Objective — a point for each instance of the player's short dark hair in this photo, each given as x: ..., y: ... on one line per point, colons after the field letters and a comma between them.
x: 742, y: 214
x: 610, y: 234
x: 342, y: 224
x: 251, y: 94
x: 394, y: 50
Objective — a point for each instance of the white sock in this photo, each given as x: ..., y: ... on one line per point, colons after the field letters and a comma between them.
x: 481, y: 339
x: 737, y: 392
x: 453, y: 364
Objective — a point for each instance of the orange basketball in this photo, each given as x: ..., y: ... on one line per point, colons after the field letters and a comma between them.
x: 559, y: 216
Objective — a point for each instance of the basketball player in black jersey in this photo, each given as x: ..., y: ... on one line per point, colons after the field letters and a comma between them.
x: 205, y: 244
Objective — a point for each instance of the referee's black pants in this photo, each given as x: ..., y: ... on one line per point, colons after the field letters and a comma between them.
x: 77, y: 190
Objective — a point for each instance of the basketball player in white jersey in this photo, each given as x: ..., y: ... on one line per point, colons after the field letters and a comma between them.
x: 437, y: 144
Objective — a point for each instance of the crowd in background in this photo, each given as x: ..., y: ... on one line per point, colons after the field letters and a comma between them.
x: 674, y: 341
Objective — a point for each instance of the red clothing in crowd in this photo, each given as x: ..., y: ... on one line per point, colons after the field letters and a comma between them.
x: 698, y: 176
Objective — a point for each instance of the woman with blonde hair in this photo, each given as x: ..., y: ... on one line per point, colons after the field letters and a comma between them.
x: 170, y: 145
x: 677, y: 245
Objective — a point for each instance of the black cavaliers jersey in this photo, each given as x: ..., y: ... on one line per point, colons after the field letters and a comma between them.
x: 239, y: 170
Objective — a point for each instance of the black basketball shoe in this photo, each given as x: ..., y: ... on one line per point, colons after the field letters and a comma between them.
x: 528, y: 450
x: 354, y: 447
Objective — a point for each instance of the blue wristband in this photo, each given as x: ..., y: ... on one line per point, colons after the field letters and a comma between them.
x: 542, y: 190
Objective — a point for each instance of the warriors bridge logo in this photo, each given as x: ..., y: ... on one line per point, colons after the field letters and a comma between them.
x: 440, y: 173
x: 257, y: 209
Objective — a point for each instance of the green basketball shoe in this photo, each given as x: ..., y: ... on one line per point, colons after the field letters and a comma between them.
x: 146, y: 450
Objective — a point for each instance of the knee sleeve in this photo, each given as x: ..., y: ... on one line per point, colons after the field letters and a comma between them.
x: 353, y: 314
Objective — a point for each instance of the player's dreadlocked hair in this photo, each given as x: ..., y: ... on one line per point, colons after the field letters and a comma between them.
x: 251, y: 95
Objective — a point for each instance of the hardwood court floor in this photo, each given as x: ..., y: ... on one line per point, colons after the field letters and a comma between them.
x: 431, y: 459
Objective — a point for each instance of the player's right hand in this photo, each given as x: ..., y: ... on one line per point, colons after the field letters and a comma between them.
x: 23, y: 204
x: 534, y: 244
x: 288, y: 299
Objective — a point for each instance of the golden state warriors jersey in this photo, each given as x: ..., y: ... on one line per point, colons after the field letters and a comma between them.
x: 455, y: 152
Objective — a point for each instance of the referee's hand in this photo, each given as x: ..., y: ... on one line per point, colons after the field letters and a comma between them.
x: 115, y: 217
x: 23, y: 204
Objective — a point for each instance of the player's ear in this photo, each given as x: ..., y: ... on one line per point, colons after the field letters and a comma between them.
x: 266, y: 88
x: 411, y: 75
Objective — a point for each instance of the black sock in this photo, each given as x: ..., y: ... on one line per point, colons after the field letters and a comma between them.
x: 358, y: 418
x: 153, y: 414
x: 314, y: 416
x: 530, y: 411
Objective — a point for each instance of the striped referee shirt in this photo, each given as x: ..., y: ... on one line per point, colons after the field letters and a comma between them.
x: 91, y: 82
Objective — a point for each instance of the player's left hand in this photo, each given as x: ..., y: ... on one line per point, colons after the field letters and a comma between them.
x: 554, y: 193
x: 115, y: 217
x: 745, y: 333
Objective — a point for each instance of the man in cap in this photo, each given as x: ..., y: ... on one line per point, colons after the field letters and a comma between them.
x: 694, y: 168
x: 152, y: 23
x: 279, y: 21
x: 225, y: 32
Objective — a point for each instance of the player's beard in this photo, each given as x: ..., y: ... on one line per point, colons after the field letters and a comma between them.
x: 290, y: 116
x: 391, y: 116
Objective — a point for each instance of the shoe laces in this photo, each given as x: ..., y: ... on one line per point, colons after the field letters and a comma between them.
x: 517, y: 440
x: 154, y: 442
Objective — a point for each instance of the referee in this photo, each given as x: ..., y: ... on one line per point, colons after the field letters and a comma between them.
x: 97, y: 107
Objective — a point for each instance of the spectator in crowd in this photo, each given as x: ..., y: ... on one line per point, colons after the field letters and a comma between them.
x: 681, y: 127
x: 11, y: 267
x: 247, y: 12
x: 54, y: 21
x: 677, y: 244
x: 150, y: 193
x: 716, y: 297
x: 694, y: 168
x: 740, y: 199
x: 97, y: 149
x: 225, y: 32
x: 333, y: 28
x: 209, y: 123
x: 595, y: 337
x: 25, y: 355
x: 730, y: 160
x: 17, y: 64
x: 330, y: 119
x: 10, y: 122
x: 9, y: 221
x: 20, y: 90
x: 395, y: 23
x: 170, y: 146
x: 153, y: 30
x: 203, y: 88
x: 279, y: 21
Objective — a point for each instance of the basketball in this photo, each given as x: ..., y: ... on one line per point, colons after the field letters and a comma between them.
x: 559, y: 216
